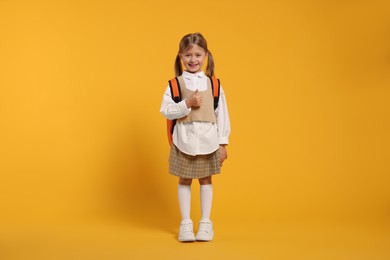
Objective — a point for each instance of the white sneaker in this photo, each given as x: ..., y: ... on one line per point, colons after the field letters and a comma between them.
x: 205, y: 231
x: 186, y: 233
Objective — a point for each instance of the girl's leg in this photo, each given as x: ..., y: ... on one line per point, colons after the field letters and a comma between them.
x: 205, y: 231
x: 206, y: 196
x: 205, y: 181
x: 186, y: 233
x: 184, y: 194
x: 183, y: 181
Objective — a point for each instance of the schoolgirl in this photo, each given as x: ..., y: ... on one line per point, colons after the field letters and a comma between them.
x: 200, y: 135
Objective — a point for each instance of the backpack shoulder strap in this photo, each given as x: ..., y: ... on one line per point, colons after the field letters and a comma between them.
x: 215, y: 87
x: 175, y: 89
x: 174, y: 86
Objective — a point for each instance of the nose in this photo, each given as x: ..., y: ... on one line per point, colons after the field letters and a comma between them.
x: 192, y: 58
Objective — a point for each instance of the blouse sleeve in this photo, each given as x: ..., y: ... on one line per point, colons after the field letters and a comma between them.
x: 172, y: 110
x: 223, y: 121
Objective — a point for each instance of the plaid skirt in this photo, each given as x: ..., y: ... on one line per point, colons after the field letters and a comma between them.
x: 193, y: 167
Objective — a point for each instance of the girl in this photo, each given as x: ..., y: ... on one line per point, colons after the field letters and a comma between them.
x: 200, y: 134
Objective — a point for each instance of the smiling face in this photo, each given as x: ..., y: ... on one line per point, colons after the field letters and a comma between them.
x: 193, y: 58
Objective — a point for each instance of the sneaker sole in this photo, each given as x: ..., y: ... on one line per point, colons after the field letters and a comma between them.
x: 187, y: 239
x: 205, y: 239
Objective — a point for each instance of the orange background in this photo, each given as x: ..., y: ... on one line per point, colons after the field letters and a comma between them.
x: 83, y: 145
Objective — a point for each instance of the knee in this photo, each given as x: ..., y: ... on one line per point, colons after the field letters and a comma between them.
x: 205, y: 180
x: 183, y: 181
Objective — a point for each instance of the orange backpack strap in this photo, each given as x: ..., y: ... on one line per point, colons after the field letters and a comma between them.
x: 176, y: 96
x: 215, y: 87
x: 175, y: 89
x: 170, y: 125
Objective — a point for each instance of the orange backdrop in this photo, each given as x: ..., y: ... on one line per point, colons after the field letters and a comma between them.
x: 82, y: 139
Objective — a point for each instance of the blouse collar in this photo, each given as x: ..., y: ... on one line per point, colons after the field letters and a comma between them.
x: 190, y: 75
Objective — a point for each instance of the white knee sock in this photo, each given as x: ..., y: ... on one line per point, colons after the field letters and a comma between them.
x: 206, y: 199
x: 184, y: 194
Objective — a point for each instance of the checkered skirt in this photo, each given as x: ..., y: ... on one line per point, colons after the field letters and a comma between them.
x: 193, y: 167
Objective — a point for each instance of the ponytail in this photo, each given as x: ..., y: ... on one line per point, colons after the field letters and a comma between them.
x: 178, y: 68
x: 210, y: 65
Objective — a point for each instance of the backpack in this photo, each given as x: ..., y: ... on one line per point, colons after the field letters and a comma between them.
x: 176, y: 96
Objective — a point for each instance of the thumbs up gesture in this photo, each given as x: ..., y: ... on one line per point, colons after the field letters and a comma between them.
x: 195, y: 100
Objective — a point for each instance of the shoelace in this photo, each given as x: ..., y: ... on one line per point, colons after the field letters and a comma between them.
x: 186, y: 228
x: 205, y: 226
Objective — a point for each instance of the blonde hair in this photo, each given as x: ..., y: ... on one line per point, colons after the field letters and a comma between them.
x: 188, y: 41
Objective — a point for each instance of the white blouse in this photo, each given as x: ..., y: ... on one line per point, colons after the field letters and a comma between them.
x: 195, y: 138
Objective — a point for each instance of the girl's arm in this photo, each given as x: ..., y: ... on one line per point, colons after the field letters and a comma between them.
x: 172, y: 110
x: 223, y: 121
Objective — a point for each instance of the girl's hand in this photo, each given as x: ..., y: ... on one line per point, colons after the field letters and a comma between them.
x: 195, y: 100
x: 222, y: 153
